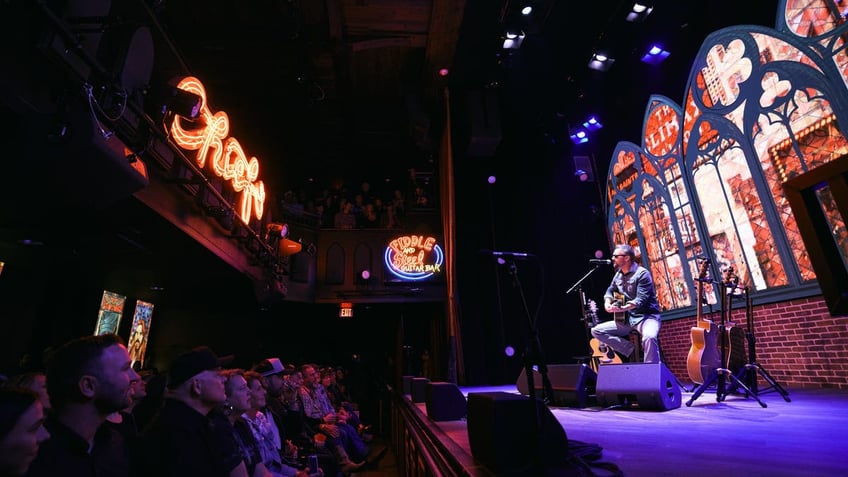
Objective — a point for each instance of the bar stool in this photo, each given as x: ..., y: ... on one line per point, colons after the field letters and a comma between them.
x: 638, y: 354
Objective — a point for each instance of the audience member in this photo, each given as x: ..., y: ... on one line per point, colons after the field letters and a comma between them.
x: 237, y: 403
x: 320, y: 415
x: 21, y: 429
x: 35, y: 381
x: 87, y: 378
x: 181, y: 439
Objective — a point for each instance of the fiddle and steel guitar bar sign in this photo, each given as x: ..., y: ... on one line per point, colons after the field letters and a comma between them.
x: 208, y: 136
x: 414, y: 257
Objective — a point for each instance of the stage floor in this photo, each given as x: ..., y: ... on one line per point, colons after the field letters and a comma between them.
x: 736, y: 437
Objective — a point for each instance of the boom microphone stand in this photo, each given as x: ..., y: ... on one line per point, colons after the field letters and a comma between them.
x: 532, y: 354
x: 583, y: 306
x: 721, y: 373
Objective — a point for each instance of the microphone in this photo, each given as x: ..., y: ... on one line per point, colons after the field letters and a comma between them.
x: 508, y: 255
x: 601, y: 261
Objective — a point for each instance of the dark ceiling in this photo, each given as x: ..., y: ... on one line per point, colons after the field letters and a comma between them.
x: 348, y: 89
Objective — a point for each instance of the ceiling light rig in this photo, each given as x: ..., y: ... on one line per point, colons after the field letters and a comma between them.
x: 639, y: 12
x: 655, y: 55
x: 601, y: 62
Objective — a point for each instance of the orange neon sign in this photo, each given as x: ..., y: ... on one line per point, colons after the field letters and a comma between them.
x: 208, y: 136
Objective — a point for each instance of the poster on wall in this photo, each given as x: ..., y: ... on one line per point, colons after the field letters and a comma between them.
x: 137, y: 343
x: 111, y: 309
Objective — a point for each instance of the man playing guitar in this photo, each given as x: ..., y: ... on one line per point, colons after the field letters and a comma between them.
x: 642, y: 312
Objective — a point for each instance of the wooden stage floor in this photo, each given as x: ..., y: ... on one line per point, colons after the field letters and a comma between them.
x: 807, y: 436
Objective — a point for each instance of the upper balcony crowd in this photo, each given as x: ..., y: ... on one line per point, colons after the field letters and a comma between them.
x: 363, y: 207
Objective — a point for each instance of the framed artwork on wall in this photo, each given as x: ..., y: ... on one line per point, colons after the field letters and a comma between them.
x: 137, y: 344
x: 109, y: 317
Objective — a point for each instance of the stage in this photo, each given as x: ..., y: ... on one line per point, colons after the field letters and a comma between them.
x: 736, y: 437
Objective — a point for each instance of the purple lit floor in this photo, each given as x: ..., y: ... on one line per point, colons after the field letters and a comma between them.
x: 737, y: 437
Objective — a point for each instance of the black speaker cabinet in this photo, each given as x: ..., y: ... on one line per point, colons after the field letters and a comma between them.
x: 406, y: 382
x: 572, y: 384
x: 638, y: 385
x: 503, y: 436
x: 418, y: 389
x: 445, y: 402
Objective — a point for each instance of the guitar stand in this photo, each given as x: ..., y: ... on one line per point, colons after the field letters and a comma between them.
x: 752, y: 368
x: 721, y: 374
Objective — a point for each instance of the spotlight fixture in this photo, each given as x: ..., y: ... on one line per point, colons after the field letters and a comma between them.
x: 288, y: 247
x: 579, y: 136
x: 526, y: 10
x: 276, y: 230
x: 601, y: 62
x: 583, y: 168
x: 639, y: 12
x: 513, y: 40
x: 592, y: 124
x: 655, y: 55
x: 182, y: 102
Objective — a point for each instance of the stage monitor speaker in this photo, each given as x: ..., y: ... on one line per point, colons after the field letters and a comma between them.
x: 419, y: 389
x: 638, y: 385
x: 445, y: 402
x: 502, y: 435
x: 406, y: 383
x: 572, y: 384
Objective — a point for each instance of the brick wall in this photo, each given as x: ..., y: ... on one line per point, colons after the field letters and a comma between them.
x: 797, y: 342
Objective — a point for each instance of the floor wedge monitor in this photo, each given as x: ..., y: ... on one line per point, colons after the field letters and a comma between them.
x: 572, y: 384
x: 649, y: 386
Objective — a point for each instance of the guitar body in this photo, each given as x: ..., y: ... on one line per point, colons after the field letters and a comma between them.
x: 735, y: 358
x: 619, y: 300
x: 603, y: 354
x: 703, y: 356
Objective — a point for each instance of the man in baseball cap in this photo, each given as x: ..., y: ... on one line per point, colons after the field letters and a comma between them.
x: 180, y: 440
x: 192, y: 363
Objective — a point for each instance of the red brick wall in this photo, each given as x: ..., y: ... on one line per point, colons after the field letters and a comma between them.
x: 797, y: 342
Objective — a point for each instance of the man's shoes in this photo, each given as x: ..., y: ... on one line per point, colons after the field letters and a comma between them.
x: 376, y: 453
x: 349, y: 467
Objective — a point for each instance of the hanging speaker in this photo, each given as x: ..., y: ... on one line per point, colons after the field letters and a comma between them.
x: 638, y: 385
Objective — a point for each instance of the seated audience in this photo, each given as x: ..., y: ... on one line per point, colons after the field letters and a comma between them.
x: 237, y: 403
x: 88, y: 378
x: 182, y: 440
x: 21, y: 429
x: 35, y: 381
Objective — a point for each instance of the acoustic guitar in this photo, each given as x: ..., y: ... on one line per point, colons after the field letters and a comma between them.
x: 703, y: 357
x: 601, y: 353
x: 734, y: 335
x: 619, y: 300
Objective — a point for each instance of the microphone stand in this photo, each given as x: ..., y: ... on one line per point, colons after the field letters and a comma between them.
x: 532, y: 353
x: 583, y: 306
